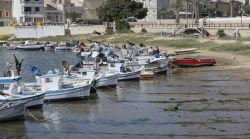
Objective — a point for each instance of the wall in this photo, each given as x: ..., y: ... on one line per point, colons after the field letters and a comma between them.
x: 39, y: 32
x: 75, y: 30
x: 7, y: 30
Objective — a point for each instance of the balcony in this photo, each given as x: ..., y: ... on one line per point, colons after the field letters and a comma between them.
x: 31, y: 1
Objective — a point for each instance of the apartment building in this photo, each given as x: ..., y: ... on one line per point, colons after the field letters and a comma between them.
x: 5, y: 12
x: 56, y: 11
x: 28, y: 12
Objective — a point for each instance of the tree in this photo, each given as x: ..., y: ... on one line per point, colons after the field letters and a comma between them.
x: 177, y: 6
x: 114, y: 10
x: 196, y: 4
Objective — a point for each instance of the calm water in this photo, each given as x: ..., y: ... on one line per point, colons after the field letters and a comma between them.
x: 211, y: 104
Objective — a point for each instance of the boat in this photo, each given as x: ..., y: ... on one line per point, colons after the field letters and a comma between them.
x: 29, y: 46
x: 86, y: 72
x: 147, y: 75
x: 125, y: 72
x: 103, y: 77
x: 193, y: 62
x: 63, y: 48
x: 11, y: 111
x: 49, y: 47
x: 12, y: 91
x: 158, y: 65
x: 58, y: 87
x: 106, y: 77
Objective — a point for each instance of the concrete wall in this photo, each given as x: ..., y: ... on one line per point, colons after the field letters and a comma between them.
x: 39, y: 32
x: 75, y: 30
x: 7, y: 30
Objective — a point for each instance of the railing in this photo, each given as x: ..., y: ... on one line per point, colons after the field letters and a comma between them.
x: 31, y: 2
x: 179, y: 26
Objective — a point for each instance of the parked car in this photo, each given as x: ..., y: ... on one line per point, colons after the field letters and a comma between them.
x: 131, y: 19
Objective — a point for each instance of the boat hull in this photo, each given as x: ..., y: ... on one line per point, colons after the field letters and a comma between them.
x: 107, y: 81
x: 12, y: 113
x: 194, y: 62
x: 29, y: 48
x: 32, y: 101
x: 129, y: 76
x: 68, y: 94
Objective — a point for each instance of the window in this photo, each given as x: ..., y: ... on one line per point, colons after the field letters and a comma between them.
x: 37, y: 9
x: 1, y: 14
x: 27, y: 9
x: 84, y: 73
x: 48, y: 80
x: 7, y: 14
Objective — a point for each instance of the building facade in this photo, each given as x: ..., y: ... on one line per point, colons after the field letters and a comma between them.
x: 56, y: 11
x: 5, y: 12
x: 28, y: 12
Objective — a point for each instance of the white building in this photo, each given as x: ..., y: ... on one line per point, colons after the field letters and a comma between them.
x: 28, y: 12
x: 157, y: 9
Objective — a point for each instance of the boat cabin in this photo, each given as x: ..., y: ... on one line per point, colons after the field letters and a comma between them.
x: 50, y: 82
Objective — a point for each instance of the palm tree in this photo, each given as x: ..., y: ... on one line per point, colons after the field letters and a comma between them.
x: 177, y: 6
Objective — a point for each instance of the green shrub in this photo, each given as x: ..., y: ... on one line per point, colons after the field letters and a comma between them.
x: 109, y: 30
x: 122, y: 26
x: 4, y: 37
x: 221, y: 33
x: 143, y: 30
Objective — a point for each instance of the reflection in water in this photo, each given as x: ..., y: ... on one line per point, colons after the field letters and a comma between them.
x: 211, y: 106
x: 13, y: 129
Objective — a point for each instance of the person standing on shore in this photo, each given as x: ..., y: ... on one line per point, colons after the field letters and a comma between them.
x: 150, y: 51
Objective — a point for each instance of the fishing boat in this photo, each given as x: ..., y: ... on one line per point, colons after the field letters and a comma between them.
x: 12, y: 91
x: 49, y: 47
x: 193, y: 62
x: 125, y: 72
x: 158, y: 65
x: 87, y: 73
x: 10, y: 111
x: 106, y: 77
x: 58, y: 87
x: 63, y: 48
x: 29, y: 46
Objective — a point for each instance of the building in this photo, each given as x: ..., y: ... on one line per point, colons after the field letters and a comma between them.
x: 56, y: 11
x: 222, y: 8
x: 89, y: 9
x: 28, y: 12
x: 5, y: 12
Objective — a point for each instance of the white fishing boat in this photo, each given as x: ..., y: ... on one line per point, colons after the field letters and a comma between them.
x: 29, y: 46
x: 63, y: 47
x: 125, y: 72
x: 59, y: 88
x: 12, y: 91
x: 106, y: 77
x: 11, y: 111
x: 158, y: 65
x: 49, y: 47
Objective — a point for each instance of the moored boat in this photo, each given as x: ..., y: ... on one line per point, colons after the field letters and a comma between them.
x: 59, y: 88
x: 28, y: 46
x: 193, y: 62
x: 11, y: 111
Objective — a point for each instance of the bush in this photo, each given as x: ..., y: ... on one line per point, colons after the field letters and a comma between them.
x: 109, y: 30
x: 221, y: 33
x: 143, y: 30
x: 122, y: 26
x: 4, y: 37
